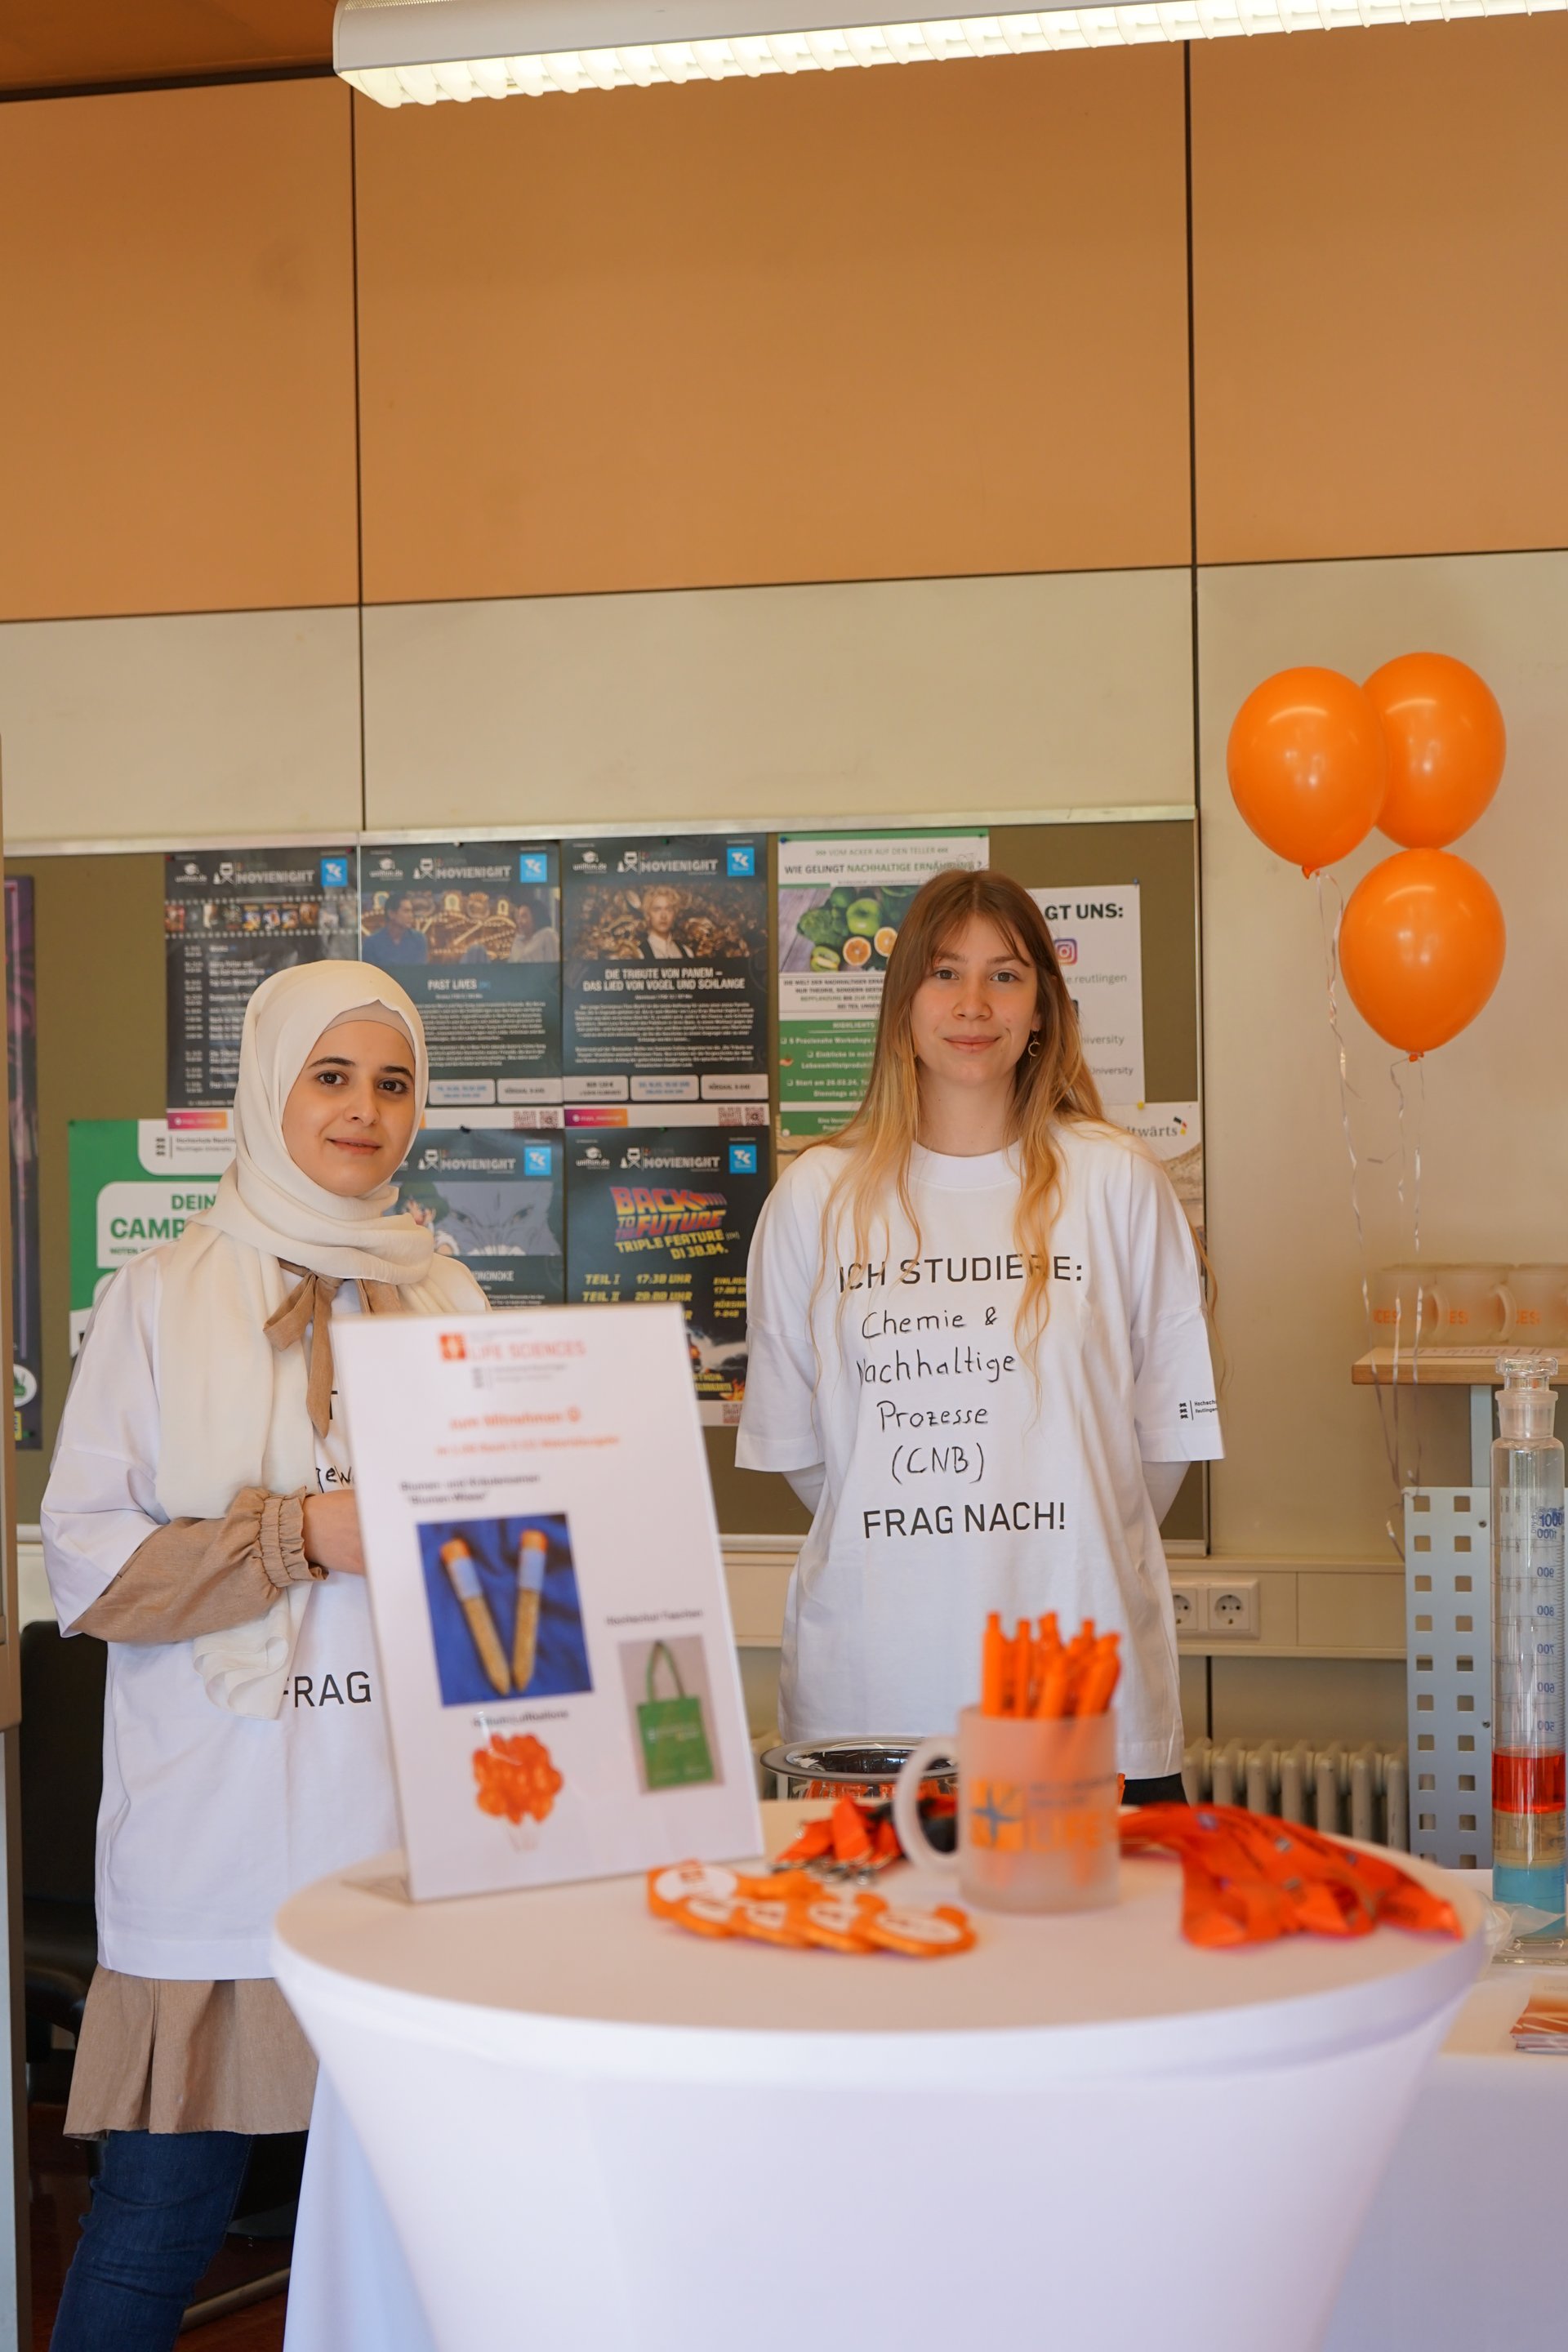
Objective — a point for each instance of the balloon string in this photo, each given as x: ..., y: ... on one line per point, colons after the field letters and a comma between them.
x: 1330, y: 931
x: 1410, y: 1141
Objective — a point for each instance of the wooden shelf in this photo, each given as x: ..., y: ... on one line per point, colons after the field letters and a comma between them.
x: 1438, y: 1368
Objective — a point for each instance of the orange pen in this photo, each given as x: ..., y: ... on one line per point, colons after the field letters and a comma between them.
x: 1023, y: 1648
x: 991, y: 1667
x: 1055, y: 1686
x: 1101, y: 1676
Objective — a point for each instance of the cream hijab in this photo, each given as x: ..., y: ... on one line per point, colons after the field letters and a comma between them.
x: 233, y: 1408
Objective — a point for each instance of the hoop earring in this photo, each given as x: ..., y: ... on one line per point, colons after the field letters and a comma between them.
x: 1034, y: 1047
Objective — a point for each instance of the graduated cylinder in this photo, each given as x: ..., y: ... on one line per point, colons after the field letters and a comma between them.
x: 1528, y: 1776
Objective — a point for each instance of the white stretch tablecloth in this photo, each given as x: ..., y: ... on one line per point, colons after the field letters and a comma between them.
x: 601, y: 2136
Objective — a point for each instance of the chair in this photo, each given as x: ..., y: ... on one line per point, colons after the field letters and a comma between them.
x: 61, y: 1771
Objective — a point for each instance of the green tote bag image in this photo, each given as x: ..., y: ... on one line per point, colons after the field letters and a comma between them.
x: 674, y: 1737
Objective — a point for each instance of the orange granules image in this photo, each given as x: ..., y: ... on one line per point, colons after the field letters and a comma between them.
x: 515, y: 1778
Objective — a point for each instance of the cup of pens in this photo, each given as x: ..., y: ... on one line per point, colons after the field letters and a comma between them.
x: 1037, y: 1788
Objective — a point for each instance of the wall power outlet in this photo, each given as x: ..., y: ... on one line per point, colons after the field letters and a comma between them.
x: 1226, y: 1608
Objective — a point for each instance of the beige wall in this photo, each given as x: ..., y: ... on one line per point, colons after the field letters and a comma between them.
x: 867, y: 698
x: 1306, y: 1469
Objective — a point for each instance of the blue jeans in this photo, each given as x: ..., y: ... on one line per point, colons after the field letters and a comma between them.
x: 161, y: 2206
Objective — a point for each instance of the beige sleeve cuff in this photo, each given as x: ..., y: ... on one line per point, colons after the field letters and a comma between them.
x: 202, y: 1576
x: 280, y: 1541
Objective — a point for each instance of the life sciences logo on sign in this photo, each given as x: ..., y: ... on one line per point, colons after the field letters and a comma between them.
x: 334, y: 872
x: 533, y: 866
x: 454, y: 1348
x: 741, y: 858
x: 743, y: 1160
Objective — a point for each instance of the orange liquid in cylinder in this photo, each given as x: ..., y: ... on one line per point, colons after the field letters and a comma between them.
x: 1529, y: 1784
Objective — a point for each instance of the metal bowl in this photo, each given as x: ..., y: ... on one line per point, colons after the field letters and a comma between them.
x: 863, y: 1767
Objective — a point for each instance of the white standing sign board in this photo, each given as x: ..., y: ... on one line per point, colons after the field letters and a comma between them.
x: 548, y: 1590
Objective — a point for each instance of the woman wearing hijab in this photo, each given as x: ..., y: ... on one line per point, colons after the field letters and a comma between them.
x: 200, y: 1519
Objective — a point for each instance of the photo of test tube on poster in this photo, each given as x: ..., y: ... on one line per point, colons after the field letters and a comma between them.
x: 506, y: 1617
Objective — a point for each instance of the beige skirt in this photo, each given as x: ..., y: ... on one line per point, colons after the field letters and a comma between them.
x: 161, y: 2055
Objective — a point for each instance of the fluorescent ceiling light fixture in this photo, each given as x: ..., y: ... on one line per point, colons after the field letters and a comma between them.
x: 418, y: 52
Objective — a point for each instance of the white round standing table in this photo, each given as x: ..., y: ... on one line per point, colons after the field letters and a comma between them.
x: 593, y: 2133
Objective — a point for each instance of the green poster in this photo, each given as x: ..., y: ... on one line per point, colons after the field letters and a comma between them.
x: 841, y: 898
x: 135, y: 1182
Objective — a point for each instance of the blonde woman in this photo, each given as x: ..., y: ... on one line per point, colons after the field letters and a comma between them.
x: 200, y: 1519
x: 978, y: 1350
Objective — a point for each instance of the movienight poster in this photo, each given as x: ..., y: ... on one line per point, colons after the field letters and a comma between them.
x: 669, y: 1214
x: 494, y: 1200
x: 473, y: 933
x: 230, y: 920
x: 665, y: 979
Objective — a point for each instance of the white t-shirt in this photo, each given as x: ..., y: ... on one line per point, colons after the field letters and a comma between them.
x: 958, y: 1481
x: 209, y: 1820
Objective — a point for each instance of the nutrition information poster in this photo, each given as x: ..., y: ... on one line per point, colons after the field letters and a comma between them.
x: 1098, y: 939
x: 563, y: 1689
x: 22, y: 1105
x: 841, y: 898
x: 495, y: 1200
x: 665, y: 981
x: 473, y: 932
x: 135, y: 1182
x: 231, y: 918
x: 666, y: 1216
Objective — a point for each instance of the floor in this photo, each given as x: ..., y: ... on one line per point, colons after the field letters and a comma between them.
x: 59, y: 2194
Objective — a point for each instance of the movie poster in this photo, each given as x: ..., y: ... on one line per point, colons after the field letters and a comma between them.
x: 473, y: 933
x: 842, y: 897
x: 669, y: 1215
x: 231, y: 918
x: 665, y: 1010
x: 494, y: 1200
x: 22, y: 1096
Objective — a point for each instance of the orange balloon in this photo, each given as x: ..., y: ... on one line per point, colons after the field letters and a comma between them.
x: 1447, y: 744
x: 1308, y: 766
x: 1421, y: 946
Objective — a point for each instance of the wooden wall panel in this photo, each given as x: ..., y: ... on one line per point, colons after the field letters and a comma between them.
x: 857, y: 325
x: 177, y: 416
x: 1380, y: 221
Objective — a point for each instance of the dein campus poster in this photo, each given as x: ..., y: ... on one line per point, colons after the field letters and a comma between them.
x: 494, y: 1200
x: 134, y: 1183
x: 230, y: 920
x: 841, y: 898
x: 665, y: 1001
x: 473, y: 932
x: 667, y: 1214
x: 22, y: 1099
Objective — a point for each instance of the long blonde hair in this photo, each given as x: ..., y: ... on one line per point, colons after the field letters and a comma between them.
x: 1051, y: 1082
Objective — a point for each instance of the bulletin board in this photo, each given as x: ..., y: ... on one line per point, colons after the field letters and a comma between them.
x: 101, y: 1054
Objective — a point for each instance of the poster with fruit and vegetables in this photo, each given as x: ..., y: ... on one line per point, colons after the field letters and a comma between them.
x: 841, y: 897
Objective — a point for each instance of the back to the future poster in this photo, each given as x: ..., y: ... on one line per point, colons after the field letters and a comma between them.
x: 669, y: 1214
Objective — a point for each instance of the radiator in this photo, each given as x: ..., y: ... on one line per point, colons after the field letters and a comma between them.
x: 1360, y: 1792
